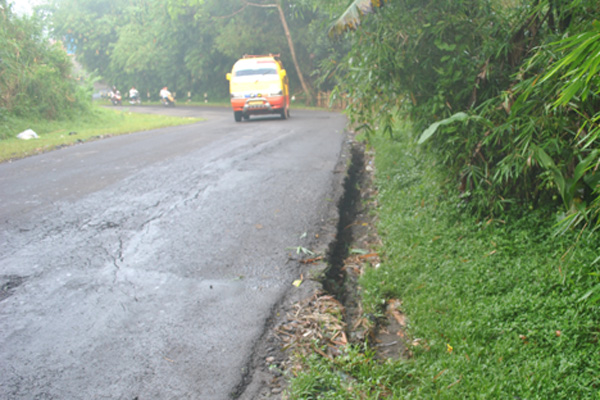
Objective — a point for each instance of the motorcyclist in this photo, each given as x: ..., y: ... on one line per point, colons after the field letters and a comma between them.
x: 115, y: 96
x: 134, y: 95
x: 165, y: 94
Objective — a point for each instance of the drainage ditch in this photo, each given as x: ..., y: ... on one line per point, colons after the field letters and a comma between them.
x: 356, y: 228
x: 299, y: 323
x: 334, y: 281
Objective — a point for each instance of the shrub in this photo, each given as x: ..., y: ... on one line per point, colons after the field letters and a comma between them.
x: 36, y: 76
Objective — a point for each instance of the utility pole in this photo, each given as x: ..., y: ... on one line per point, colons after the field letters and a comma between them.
x: 290, y: 44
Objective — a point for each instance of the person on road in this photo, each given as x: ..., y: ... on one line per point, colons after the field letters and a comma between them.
x: 115, y: 96
x: 165, y: 94
x: 134, y: 95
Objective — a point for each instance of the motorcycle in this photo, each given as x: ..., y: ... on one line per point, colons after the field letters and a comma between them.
x: 168, y: 101
x: 134, y: 96
x: 135, y: 100
x: 116, y: 98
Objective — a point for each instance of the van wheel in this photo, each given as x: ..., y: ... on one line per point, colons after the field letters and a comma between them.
x: 237, y: 115
x: 285, y: 114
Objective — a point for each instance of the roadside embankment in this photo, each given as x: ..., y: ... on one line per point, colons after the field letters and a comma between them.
x: 489, y: 308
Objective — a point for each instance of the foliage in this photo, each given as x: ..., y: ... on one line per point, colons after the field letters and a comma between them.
x: 521, y: 75
x: 494, y: 309
x: 353, y: 375
x: 187, y: 45
x: 534, y: 149
x: 423, y: 57
x: 35, y: 74
x: 506, y: 295
x: 578, y: 95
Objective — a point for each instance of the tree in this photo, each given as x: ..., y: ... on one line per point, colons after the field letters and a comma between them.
x: 35, y: 78
x: 476, y: 73
x: 91, y: 25
x: 288, y: 35
x: 189, y: 45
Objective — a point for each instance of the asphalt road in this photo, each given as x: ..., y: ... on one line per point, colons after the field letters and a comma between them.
x: 146, y: 266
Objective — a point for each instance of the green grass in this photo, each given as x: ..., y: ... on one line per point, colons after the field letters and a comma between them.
x: 506, y: 295
x: 100, y: 122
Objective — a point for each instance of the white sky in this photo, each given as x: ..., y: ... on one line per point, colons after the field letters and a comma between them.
x: 21, y: 7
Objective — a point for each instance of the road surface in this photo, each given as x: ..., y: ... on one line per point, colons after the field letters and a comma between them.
x: 146, y: 266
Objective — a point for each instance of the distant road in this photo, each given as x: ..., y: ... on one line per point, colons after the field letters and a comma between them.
x: 145, y: 266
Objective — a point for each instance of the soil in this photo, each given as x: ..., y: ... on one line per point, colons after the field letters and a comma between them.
x: 326, y: 308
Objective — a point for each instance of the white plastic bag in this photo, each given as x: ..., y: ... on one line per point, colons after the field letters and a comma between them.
x: 28, y: 134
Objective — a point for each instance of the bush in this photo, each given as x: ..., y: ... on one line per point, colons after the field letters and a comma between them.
x: 36, y: 79
x: 521, y: 75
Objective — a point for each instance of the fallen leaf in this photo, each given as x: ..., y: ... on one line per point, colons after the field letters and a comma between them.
x: 369, y: 255
x: 358, y: 251
x: 452, y: 384
x: 439, y: 374
x: 393, y: 310
x: 298, y: 282
x: 311, y: 260
x: 344, y: 338
x: 523, y: 338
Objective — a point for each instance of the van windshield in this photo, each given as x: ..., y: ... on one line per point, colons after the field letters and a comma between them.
x: 256, y: 71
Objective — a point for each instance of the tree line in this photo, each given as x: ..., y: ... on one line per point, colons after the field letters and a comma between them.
x: 189, y: 45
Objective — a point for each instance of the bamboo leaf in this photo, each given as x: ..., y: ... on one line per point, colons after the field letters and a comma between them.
x: 351, y: 18
x: 585, y: 165
x: 427, y: 133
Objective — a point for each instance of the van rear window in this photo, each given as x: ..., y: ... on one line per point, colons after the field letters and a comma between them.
x: 256, y: 71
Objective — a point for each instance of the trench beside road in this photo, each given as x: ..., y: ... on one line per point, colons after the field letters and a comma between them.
x: 148, y: 265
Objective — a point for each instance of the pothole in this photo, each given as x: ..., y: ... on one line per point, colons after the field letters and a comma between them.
x: 8, y: 285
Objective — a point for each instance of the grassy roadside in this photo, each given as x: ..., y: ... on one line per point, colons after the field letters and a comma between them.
x: 495, y: 309
x: 101, y: 122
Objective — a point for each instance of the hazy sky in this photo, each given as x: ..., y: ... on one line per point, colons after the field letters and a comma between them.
x: 23, y: 6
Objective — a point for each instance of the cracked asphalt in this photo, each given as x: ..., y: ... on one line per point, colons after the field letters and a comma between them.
x: 146, y: 266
